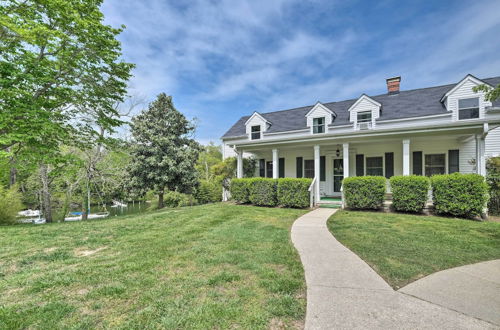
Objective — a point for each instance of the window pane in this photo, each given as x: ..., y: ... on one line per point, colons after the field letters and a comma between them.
x: 468, y: 103
x: 309, y: 168
x: 374, y: 166
x: 319, y: 125
x: 269, y: 169
x: 435, y: 164
x: 255, y: 132
x: 364, y: 116
x: 468, y: 113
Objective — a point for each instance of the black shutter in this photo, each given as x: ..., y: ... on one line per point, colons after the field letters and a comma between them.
x: 417, y: 162
x: 262, y: 168
x: 453, y: 161
x: 360, y: 165
x: 389, y: 164
x: 322, y: 170
x: 281, y: 168
x: 299, y: 167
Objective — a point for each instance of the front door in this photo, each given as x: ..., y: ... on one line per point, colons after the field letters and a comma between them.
x: 338, y: 174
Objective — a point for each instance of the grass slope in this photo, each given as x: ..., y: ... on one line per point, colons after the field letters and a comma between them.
x: 212, y: 266
x: 403, y: 248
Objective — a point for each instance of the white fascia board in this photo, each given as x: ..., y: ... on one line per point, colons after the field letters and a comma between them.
x: 364, y: 97
x: 468, y: 77
x: 256, y: 114
x: 320, y: 105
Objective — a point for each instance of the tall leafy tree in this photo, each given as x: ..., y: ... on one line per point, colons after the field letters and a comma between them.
x: 164, y: 153
x: 60, y: 75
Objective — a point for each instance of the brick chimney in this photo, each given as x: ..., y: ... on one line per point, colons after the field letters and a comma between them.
x: 393, y: 85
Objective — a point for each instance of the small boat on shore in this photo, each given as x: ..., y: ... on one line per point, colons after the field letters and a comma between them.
x: 90, y: 216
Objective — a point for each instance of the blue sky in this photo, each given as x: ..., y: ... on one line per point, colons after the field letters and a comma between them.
x: 221, y: 60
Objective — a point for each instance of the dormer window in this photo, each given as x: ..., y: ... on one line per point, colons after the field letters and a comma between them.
x: 318, y: 125
x: 256, y: 132
x: 364, y: 117
x: 468, y: 108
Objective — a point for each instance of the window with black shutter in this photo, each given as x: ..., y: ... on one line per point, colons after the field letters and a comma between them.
x: 417, y: 162
x: 262, y: 168
x: 281, y: 167
x: 360, y: 165
x: 453, y: 161
x: 389, y: 164
x: 269, y: 169
x: 298, y: 167
x: 322, y: 168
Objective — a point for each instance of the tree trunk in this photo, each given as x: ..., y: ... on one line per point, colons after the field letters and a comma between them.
x: 160, y: 200
x: 13, y: 176
x: 85, y: 206
x: 46, y: 200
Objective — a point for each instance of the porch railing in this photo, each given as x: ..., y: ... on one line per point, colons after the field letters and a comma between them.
x: 312, y: 192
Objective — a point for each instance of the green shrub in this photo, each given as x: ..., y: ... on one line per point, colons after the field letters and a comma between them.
x: 10, y: 204
x: 263, y: 191
x: 240, y: 190
x: 409, y: 193
x: 364, y: 192
x: 174, y: 199
x: 208, y: 192
x: 461, y: 195
x: 293, y: 192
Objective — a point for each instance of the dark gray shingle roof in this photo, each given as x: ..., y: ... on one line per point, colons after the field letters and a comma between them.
x: 405, y: 104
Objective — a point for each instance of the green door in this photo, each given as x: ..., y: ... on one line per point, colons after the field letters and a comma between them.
x: 338, y: 174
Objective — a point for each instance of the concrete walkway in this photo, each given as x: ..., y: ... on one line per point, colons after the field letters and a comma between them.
x: 343, y: 292
x: 473, y: 290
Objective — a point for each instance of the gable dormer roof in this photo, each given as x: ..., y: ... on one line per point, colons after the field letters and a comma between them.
x: 468, y: 77
x: 258, y: 115
x: 364, y: 97
x: 320, y: 105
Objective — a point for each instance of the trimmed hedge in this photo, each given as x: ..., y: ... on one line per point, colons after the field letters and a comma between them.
x: 364, y: 192
x: 293, y: 192
x: 287, y: 192
x: 263, y: 191
x: 240, y: 190
x: 409, y: 193
x: 208, y: 192
x: 461, y: 195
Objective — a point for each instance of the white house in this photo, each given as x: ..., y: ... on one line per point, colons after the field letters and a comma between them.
x: 442, y: 129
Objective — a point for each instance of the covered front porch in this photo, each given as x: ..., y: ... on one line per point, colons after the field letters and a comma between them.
x: 330, y: 160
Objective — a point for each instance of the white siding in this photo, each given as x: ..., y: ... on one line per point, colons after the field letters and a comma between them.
x: 256, y: 120
x: 493, y: 143
x: 317, y: 112
x: 364, y: 104
x: 462, y: 92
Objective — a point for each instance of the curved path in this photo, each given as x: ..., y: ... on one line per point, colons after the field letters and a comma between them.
x: 343, y: 292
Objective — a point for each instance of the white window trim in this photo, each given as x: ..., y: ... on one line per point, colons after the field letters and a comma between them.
x: 260, y: 132
x: 374, y: 156
x: 433, y: 153
x: 479, y: 105
x: 325, y: 126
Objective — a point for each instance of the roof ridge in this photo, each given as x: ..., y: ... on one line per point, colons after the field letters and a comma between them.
x: 371, y: 96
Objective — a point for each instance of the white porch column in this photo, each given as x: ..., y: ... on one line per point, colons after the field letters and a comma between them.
x: 316, y: 170
x: 345, y: 154
x: 480, y: 155
x: 406, y: 157
x: 275, y: 164
x: 239, y: 164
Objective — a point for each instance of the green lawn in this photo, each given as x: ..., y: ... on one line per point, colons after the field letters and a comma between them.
x: 212, y: 266
x: 403, y: 248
